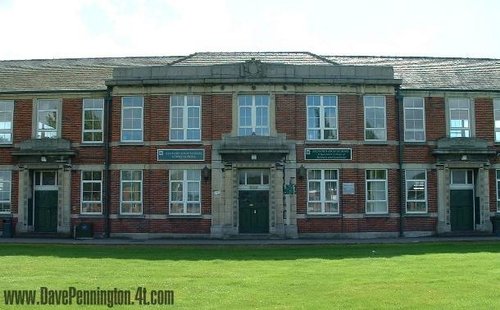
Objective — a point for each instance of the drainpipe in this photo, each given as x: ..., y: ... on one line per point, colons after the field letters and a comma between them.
x: 107, y: 172
x: 402, y: 187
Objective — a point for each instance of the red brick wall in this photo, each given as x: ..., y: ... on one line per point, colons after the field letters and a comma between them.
x: 485, y: 123
x: 72, y: 120
x: 23, y: 113
x: 218, y: 118
x: 435, y: 119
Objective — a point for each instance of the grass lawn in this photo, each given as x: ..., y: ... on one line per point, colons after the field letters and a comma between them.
x: 409, y: 276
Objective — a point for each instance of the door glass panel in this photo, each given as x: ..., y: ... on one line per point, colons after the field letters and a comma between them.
x: 254, y: 177
x: 49, y: 178
x: 461, y: 177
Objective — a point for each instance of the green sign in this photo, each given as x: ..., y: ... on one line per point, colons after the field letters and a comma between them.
x: 181, y: 155
x: 328, y: 154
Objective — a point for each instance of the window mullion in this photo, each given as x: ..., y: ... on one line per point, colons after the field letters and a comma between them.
x: 254, y: 115
x: 321, y: 120
x: 184, y: 192
x: 322, y: 189
x: 185, y: 118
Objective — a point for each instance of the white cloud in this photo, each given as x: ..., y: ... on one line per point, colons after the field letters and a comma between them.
x: 94, y: 28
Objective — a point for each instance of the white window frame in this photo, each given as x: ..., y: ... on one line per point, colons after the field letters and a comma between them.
x: 7, y: 183
x: 386, y: 198
x: 135, y: 202
x: 7, y: 116
x: 464, y: 131
x: 92, y: 181
x: 322, y: 117
x: 496, y: 115
x: 93, y: 102
x: 323, y: 196
x: 185, y: 108
x: 41, y: 133
x: 383, y: 107
x: 413, y: 101
x: 185, y: 187
x: 408, y: 183
x: 498, y: 189
x: 134, y: 105
x: 253, y: 116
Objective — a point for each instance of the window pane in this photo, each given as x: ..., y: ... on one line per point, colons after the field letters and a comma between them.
x: 314, y: 191
x: 185, y: 195
x: 6, y: 120
x: 5, y: 191
x: 253, y: 115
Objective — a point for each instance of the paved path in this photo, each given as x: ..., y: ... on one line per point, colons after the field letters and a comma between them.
x: 218, y: 242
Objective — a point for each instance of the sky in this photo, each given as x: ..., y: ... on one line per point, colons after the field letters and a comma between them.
x: 46, y: 29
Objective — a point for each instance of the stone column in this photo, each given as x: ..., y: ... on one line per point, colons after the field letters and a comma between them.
x: 443, y: 192
x: 64, y: 201
x: 24, y: 195
x: 483, y: 193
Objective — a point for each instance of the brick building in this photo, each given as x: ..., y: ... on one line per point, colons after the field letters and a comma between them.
x: 231, y: 144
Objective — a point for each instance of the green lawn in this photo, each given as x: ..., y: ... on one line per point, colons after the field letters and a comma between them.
x: 436, y: 276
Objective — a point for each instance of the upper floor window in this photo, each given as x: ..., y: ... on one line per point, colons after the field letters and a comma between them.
x: 132, y: 119
x: 460, y: 117
x: 375, y: 124
x: 5, y: 190
x: 322, y: 192
x: 376, y: 192
x: 131, y: 192
x: 496, y: 104
x: 185, y: 192
x: 47, y: 118
x: 416, y: 194
x: 498, y: 191
x: 414, y: 119
x: 93, y: 120
x: 253, y: 114
x: 6, y: 119
x: 321, y: 117
x: 185, y: 119
x: 91, y: 192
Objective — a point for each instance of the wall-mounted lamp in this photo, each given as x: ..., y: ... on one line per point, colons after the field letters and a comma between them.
x: 253, y: 156
x: 205, y: 172
x: 301, y: 172
x: 43, y: 159
x: 464, y: 157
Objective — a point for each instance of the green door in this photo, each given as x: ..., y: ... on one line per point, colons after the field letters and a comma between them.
x: 46, y: 211
x: 462, y: 209
x: 254, y: 211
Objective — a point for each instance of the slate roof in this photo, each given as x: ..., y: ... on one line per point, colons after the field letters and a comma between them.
x: 434, y: 72
x: 85, y: 74
x: 79, y: 74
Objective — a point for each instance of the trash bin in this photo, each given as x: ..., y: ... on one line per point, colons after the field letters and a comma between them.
x: 7, y: 228
x: 495, y: 220
x: 84, y: 230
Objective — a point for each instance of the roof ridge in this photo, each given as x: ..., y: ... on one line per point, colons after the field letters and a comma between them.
x: 88, y: 58
x: 183, y: 58
x: 322, y: 58
x: 414, y: 57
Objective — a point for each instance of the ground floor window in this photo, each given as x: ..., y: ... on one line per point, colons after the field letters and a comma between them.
x: 131, y: 192
x: 91, y: 192
x: 376, y: 192
x: 322, y: 191
x: 416, y: 194
x: 5, y: 190
x: 185, y: 189
x: 498, y: 190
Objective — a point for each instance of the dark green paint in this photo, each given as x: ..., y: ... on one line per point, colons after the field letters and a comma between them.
x: 46, y: 211
x: 254, y: 211
x: 462, y: 210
